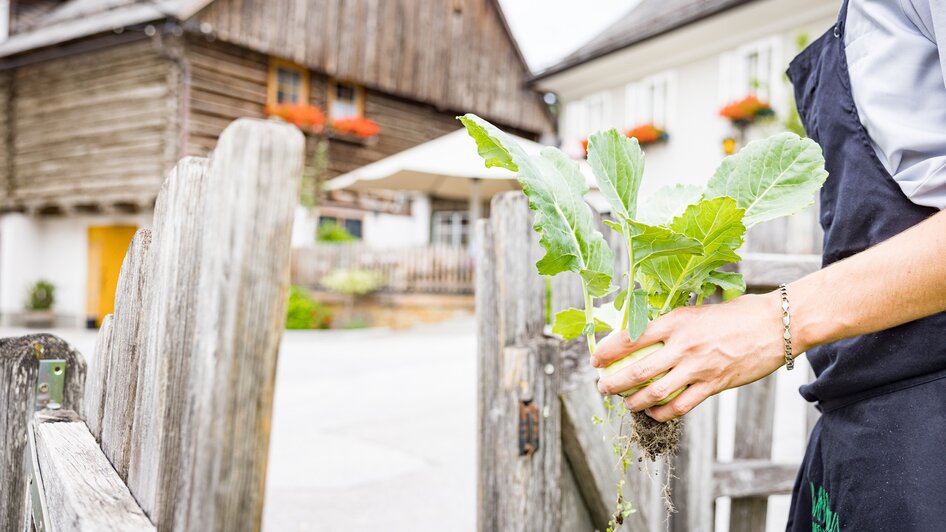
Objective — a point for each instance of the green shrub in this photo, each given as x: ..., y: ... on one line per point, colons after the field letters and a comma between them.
x: 353, y: 282
x: 332, y: 232
x: 306, y: 313
x: 41, y: 296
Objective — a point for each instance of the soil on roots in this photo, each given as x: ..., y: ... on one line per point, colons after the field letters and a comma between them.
x: 654, y: 438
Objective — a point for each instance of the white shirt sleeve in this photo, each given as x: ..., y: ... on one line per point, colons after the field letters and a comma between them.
x: 898, y: 79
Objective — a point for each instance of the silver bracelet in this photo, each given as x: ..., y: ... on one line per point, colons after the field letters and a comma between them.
x: 786, y: 321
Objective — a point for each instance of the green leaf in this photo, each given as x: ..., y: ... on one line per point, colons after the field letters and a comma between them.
x: 614, y: 225
x: 652, y: 241
x: 727, y: 280
x: 620, y: 299
x: 667, y: 203
x: 637, y: 318
x: 490, y: 146
x: 732, y: 284
x: 555, y: 187
x: 570, y: 324
x: 618, y: 165
x: 770, y: 178
x: 717, y: 225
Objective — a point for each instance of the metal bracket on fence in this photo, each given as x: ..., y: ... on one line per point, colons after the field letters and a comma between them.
x: 50, y: 384
x: 37, y: 491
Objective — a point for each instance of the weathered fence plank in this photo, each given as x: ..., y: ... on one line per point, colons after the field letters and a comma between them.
x: 168, y: 343
x: 692, y: 485
x: 19, y: 366
x: 124, y: 348
x: 251, y: 195
x: 753, y: 478
x: 755, y: 410
x: 98, y: 375
x: 516, y: 296
x: 768, y: 270
x: 83, y: 491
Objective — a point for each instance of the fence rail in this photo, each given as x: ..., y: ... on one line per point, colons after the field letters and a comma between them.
x: 430, y: 269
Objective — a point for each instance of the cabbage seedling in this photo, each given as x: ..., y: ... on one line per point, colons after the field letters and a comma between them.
x: 677, y: 241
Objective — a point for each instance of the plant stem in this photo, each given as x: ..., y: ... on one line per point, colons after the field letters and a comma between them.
x: 673, y: 291
x: 630, y: 276
x: 699, y: 299
x: 589, y: 317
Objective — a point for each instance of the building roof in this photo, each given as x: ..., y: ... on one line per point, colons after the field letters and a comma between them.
x: 651, y: 18
x: 75, y: 19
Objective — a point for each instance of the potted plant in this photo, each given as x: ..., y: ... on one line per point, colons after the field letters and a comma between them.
x: 38, y: 307
x: 746, y: 111
x: 644, y: 133
x: 352, y: 283
x: 647, y: 134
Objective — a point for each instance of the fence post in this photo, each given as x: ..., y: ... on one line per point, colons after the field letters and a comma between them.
x: 518, y: 377
x: 19, y: 367
x: 755, y: 410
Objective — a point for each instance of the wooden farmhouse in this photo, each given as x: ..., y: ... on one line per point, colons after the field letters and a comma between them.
x: 101, y: 97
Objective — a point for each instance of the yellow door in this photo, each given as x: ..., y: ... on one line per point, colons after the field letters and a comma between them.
x: 107, y: 247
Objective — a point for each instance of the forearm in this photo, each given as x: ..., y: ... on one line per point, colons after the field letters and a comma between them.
x: 899, y: 280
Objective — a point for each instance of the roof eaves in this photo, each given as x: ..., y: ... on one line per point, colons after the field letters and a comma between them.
x: 576, y: 60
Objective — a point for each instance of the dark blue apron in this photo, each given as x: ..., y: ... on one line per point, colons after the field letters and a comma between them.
x: 876, y: 459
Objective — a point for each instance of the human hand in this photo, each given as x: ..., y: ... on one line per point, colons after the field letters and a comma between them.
x: 709, y: 348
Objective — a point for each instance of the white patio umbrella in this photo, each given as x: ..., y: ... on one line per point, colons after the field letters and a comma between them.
x: 446, y: 167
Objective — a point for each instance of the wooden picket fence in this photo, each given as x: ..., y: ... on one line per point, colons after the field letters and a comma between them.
x: 424, y: 269
x: 561, y: 475
x: 172, y: 430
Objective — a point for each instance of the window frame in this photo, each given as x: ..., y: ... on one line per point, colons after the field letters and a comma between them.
x: 642, y: 104
x: 735, y: 76
x: 359, y: 97
x: 272, y: 82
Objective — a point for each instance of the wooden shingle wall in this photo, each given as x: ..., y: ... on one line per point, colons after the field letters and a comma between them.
x: 4, y: 139
x: 92, y: 129
x: 455, y: 55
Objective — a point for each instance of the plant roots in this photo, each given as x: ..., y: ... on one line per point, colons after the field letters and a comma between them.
x: 654, y: 438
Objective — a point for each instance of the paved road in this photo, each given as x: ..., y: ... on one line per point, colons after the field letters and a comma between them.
x: 372, y: 429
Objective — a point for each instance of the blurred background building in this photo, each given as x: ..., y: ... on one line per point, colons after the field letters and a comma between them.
x: 102, y: 97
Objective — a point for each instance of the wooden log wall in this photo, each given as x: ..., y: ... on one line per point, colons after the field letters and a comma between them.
x: 228, y: 82
x: 5, y: 140
x: 92, y: 128
x: 455, y: 55
x: 19, y: 367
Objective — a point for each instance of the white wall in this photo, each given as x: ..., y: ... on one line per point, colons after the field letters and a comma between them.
x: 54, y: 249
x: 695, y: 59
x: 384, y: 230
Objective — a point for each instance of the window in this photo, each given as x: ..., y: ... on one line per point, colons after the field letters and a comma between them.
x: 649, y: 101
x: 352, y: 225
x: 288, y: 83
x: 450, y: 228
x: 345, y: 100
x: 598, y: 113
x: 755, y: 69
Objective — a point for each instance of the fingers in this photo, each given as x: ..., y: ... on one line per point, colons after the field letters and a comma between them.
x: 659, y: 390
x: 640, y: 372
x: 681, y: 404
x: 618, y: 344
